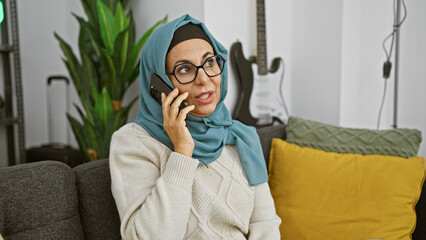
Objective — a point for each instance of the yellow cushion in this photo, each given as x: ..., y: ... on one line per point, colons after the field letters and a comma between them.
x: 331, y: 196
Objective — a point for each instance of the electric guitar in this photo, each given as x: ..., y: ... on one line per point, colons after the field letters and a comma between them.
x: 260, y: 100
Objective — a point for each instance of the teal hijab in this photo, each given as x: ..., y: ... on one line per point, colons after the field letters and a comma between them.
x: 210, y: 133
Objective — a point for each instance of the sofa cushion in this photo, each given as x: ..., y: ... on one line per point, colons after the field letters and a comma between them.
x: 321, y: 195
x: 98, y: 212
x: 396, y: 142
x: 39, y: 201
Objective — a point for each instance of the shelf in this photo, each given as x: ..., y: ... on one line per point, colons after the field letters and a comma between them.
x: 6, y: 48
x: 10, y: 74
x: 8, y: 120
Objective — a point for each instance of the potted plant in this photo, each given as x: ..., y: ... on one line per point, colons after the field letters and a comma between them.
x: 108, y: 65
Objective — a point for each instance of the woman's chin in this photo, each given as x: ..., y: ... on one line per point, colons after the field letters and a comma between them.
x: 202, y: 111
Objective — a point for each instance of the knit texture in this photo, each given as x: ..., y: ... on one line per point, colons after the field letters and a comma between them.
x: 161, y: 194
x: 396, y: 142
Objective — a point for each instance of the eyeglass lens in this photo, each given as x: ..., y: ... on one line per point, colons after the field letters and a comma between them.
x: 187, y: 72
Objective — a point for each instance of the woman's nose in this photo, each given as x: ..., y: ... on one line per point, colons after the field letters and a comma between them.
x: 202, y: 77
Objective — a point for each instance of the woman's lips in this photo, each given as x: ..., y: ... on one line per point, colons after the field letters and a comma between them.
x: 205, y: 97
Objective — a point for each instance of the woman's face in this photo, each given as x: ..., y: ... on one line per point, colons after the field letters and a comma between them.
x: 204, y: 92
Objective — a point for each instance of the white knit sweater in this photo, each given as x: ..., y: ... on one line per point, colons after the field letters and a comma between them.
x: 161, y: 194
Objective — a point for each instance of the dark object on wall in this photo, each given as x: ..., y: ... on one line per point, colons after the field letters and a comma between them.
x: 56, y: 151
x: 1, y: 107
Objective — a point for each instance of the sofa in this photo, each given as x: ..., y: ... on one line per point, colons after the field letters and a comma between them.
x: 49, y: 200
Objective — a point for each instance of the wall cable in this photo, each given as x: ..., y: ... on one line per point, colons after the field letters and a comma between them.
x: 387, y: 66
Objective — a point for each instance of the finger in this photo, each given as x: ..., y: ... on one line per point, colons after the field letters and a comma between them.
x: 178, y: 101
x: 166, y: 100
x: 172, y: 95
x: 184, y: 112
x: 165, y: 107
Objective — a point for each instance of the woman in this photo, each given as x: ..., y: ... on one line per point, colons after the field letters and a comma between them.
x: 194, y: 173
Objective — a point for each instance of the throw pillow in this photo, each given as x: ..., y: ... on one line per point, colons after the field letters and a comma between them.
x: 321, y: 195
x: 396, y: 142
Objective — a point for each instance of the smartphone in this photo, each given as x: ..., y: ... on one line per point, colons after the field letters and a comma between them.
x: 158, y: 86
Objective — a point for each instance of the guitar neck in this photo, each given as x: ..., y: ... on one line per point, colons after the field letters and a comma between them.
x: 261, y: 38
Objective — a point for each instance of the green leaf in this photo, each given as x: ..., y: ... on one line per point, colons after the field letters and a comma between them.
x: 121, y: 49
x: 90, y: 135
x: 106, y: 23
x: 103, y: 106
x: 86, y: 7
x: 90, y: 75
x: 120, y: 20
x: 111, y: 4
x: 88, y: 109
x: 83, y: 36
x: 125, y: 3
x: 71, y: 62
x: 80, y: 112
x: 132, y: 30
x: 133, y: 75
x: 79, y: 135
x: 86, y: 37
x: 108, y: 68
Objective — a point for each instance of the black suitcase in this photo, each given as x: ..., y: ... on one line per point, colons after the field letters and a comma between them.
x: 56, y: 151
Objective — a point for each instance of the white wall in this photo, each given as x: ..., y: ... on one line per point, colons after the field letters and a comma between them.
x: 332, y: 51
x: 366, y: 24
x: 316, y: 45
x: 412, y: 78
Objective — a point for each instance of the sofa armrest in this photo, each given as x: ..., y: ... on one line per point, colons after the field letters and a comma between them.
x: 39, y: 201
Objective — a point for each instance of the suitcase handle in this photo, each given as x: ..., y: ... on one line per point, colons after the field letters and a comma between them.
x: 50, y: 79
x: 57, y: 77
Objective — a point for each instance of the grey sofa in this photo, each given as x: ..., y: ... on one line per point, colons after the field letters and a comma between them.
x: 49, y: 200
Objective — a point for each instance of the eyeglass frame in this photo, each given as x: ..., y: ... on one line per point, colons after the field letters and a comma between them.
x: 197, y: 68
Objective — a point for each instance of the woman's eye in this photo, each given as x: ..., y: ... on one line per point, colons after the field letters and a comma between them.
x: 183, y: 69
x: 210, y: 62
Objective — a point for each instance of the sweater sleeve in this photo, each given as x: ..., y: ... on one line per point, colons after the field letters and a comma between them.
x: 151, y: 187
x: 264, y: 222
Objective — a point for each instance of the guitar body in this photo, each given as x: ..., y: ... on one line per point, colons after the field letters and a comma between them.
x: 266, y: 102
x: 260, y: 102
x: 244, y: 75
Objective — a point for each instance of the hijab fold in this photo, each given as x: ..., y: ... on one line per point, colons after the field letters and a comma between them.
x: 210, y: 133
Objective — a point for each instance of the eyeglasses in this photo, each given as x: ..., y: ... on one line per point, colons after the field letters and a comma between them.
x: 187, y: 72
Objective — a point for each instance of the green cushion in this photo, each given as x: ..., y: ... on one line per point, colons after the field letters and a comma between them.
x: 396, y: 142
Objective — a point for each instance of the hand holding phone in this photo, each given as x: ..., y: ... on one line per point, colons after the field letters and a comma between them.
x: 158, y: 86
x: 179, y: 134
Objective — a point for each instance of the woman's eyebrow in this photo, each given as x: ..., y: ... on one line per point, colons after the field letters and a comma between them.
x: 207, y: 54
x: 187, y: 61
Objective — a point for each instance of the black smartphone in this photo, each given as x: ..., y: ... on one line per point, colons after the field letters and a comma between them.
x: 158, y: 86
